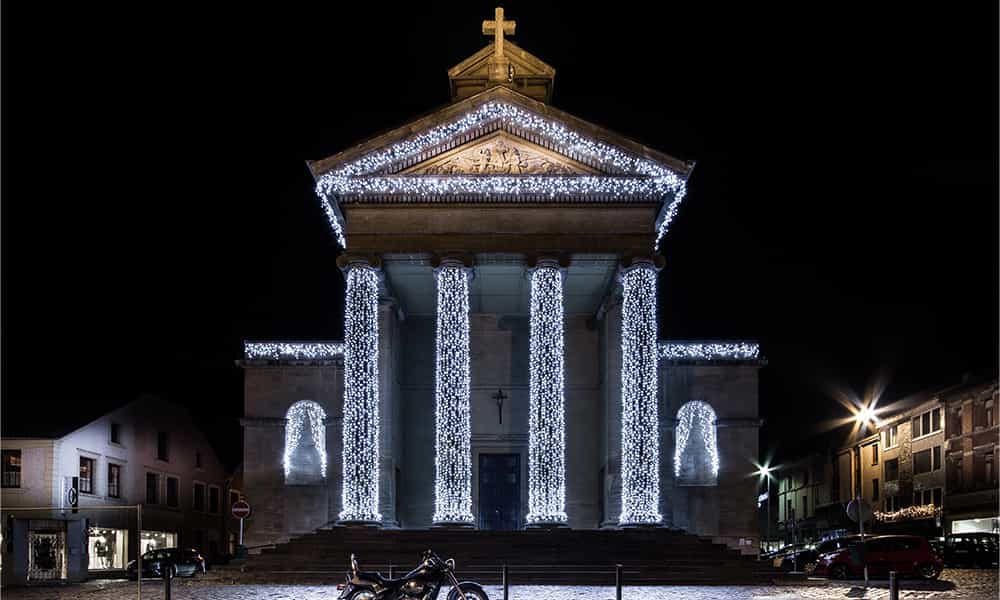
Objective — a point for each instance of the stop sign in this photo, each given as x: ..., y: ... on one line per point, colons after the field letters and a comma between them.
x: 241, y: 509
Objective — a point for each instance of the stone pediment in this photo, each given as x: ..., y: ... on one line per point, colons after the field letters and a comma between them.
x: 500, y: 153
x: 525, y: 73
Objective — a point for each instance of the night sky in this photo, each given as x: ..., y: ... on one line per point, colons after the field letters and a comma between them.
x: 157, y: 209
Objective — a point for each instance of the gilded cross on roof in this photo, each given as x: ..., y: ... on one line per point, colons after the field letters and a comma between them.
x: 497, y: 28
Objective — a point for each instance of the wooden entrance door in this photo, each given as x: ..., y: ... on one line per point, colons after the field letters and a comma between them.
x: 500, y: 491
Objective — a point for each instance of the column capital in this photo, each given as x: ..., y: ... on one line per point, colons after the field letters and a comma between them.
x: 347, y: 261
x: 454, y: 261
x: 654, y: 261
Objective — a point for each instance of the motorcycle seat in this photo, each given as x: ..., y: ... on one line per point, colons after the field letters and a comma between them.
x: 377, y: 577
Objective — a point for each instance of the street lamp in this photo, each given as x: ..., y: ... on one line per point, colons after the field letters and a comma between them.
x: 764, y: 471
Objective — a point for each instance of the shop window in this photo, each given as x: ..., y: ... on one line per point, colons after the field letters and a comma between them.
x: 154, y: 540
x: 107, y: 548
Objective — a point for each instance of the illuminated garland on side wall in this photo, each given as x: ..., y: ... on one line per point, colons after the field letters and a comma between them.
x: 640, y: 420
x: 305, y: 413
x: 453, y: 451
x: 361, y: 402
x: 292, y: 350
x: 709, y: 350
x: 696, y: 415
x: 546, y: 421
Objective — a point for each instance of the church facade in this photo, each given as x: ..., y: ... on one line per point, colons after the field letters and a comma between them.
x: 501, y: 366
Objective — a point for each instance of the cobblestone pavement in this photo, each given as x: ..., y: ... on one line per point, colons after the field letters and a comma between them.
x: 954, y: 583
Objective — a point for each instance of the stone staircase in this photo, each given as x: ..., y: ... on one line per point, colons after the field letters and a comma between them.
x: 533, y: 557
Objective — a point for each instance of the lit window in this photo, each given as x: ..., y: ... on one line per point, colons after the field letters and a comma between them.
x: 86, y: 475
x: 11, y: 468
x: 114, y: 480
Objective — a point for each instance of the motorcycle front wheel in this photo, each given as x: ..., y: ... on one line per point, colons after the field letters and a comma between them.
x: 469, y: 592
x: 362, y: 595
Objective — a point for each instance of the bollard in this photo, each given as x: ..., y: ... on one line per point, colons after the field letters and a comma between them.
x: 390, y: 570
x: 618, y: 582
x: 166, y: 581
x: 893, y: 586
x: 505, y: 580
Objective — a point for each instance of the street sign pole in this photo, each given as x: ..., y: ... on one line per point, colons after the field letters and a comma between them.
x: 241, y: 510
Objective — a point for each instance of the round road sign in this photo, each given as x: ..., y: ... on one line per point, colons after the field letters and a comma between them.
x: 241, y: 509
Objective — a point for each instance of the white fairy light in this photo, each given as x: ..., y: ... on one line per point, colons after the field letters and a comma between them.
x: 453, y: 452
x: 292, y: 350
x: 546, y: 426
x: 374, y: 173
x: 709, y: 350
x: 696, y: 415
x: 361, y: 413
x: 300, y: 415
x: 640, y: 420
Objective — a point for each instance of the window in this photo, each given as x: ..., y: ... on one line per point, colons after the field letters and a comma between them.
x: 892, y: 437
x: 152, y: 488
x: 936, y: 497
x: 198, y: 502
x: 989, y: 413
x: 788, y: 509
x: 197, y: 460
x: 989, y: 468
x: 162, y: 445
x: 874, y: 454
x: 927, y: 423
x: 86, y: 475
x: 213, y: 500
x: 172, y: 486
x: 875, y: 489
x: 936, y: 450
x: 891, y: 503
x: 11, y: 468
x: 892, y: 469
x: 922, y: 462
x: 116, y: 433
x: 805, y: 507
x: 114, y: 480
x: 234, y: 497
x: 696, y: 453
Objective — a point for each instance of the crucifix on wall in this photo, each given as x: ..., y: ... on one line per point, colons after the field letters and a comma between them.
x: 499, y: 397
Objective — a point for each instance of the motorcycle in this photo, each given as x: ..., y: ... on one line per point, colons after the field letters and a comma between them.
x: 422, y: 583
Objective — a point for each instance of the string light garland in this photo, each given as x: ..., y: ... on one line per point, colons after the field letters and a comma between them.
x: 924, y: 511
x: 634, y: 175
x: 709, y: 350
x: 361, y: 411
x: 453, y: 451
x: 546, y: 426
x: 691, y: 416
x: 640, y: 420
x: 300, y: 415
x: 292, y: 350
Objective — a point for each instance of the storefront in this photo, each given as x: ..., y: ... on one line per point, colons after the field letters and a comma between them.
x: 988, y: 524
x: 107, y: 549
x: 154, y: 540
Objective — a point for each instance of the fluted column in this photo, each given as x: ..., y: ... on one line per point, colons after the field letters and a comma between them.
x: 453, y: 448
x: 360, y: 494
x: 640, y: 419
x: 546, y: 420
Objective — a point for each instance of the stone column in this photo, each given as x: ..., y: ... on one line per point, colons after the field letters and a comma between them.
x: 453, y: 447
x: 546, y: 421
x: 360, y: 493
x: 640, y: 420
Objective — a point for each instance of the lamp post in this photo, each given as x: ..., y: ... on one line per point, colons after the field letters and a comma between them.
x: 765, y: 472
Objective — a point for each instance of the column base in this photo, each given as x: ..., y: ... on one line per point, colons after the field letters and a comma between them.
x: 547, y: 525
x: 453, y: 525
x: 360, y: 524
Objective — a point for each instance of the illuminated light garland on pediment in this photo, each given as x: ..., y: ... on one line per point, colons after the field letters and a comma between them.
x: 292, y: 350
x: 366, y: 175
x: 709, y: 351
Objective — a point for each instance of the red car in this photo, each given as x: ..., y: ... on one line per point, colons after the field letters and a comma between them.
x: 907, y: 555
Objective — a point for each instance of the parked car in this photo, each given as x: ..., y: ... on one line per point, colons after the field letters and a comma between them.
x: 176, y: 561
x: 806, y: 559
x: 907, y: 555
x: 972, y: 549
x: 779, y: 555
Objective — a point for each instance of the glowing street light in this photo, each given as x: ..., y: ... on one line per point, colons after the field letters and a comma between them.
x: 764, y: 471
